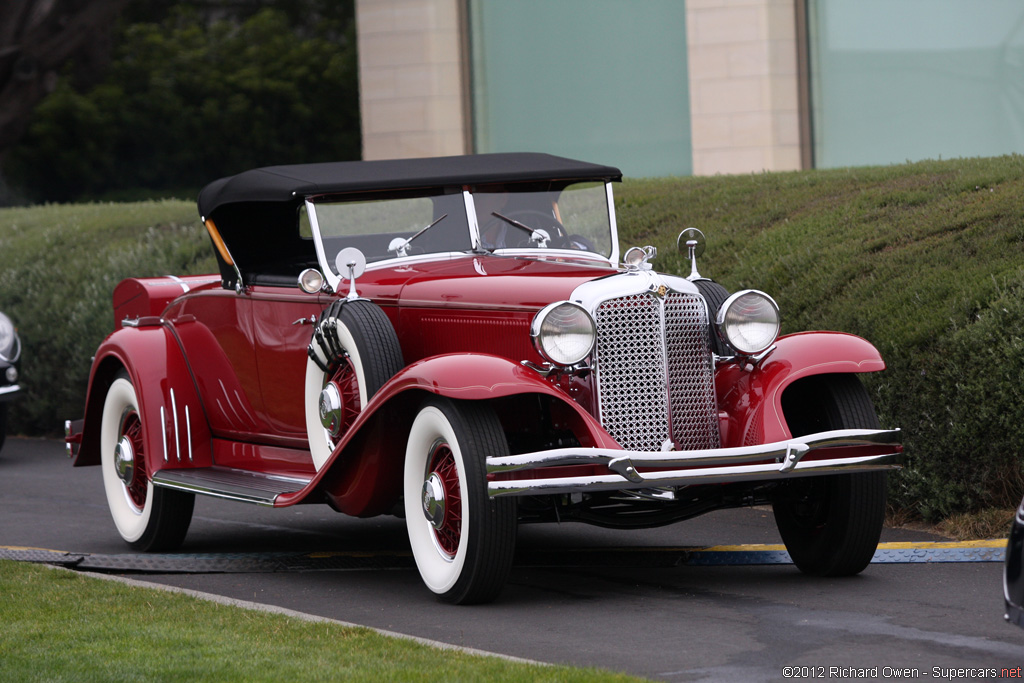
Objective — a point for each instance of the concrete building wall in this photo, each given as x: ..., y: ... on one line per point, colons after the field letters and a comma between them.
x: 411, y: 78
x: 744, y: 104
x: 742, y: 78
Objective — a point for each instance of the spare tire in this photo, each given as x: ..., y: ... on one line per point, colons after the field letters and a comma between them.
x: 715, y: 295
x: 354, y: 351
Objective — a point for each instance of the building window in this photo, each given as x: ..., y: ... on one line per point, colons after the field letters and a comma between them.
x: 600, y: 80
x: 905, y: 80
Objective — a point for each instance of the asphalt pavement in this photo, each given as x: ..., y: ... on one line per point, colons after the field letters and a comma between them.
x: 633, y: 601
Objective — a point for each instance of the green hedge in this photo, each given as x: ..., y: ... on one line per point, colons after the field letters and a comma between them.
x: 59, y: 265
x: 925, y: 260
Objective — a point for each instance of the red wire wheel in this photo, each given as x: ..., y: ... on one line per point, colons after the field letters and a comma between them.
x: 136, y: 488
x: 442, y: 464
x: 462, y: 540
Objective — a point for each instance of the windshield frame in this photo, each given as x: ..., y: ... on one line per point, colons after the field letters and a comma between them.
x: 612, y: 257
x: 475, y: 240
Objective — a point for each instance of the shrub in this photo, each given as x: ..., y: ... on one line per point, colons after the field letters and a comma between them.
x: 924, y: 260
x: 58, y: 269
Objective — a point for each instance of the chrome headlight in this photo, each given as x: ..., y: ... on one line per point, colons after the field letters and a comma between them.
x: 311, y: 281
x: 563, y: 333
x: 749, y: 321
x: 8, y: 338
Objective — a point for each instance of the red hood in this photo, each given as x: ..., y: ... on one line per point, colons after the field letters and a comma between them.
x: 492, y: 282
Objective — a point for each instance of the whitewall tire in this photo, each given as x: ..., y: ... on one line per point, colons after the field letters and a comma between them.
x: 147, y: 518
x: 463, y: 542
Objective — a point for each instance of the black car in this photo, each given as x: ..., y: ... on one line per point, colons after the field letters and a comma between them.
x: 10, y: 352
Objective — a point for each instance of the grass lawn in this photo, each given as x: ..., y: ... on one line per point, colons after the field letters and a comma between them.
x: 58, y: 625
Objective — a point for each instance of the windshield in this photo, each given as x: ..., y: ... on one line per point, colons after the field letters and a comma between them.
x: 557, y: 216
x: 395, y: 226
x: 516, y: 217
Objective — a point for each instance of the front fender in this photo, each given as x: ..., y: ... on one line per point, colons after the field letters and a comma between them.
x: 480, y: 377
x: 175, y: 428
x: 363, y: 475
x: 751, y: 396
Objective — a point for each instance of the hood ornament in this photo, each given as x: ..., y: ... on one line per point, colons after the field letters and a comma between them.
x: 636, y: 258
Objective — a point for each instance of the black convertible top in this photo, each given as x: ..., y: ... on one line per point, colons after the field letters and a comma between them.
x: 291, y: 184
x: 257, y: 212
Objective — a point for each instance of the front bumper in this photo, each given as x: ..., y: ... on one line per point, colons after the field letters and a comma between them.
x: 1013, y: 570
x: 836, y: 452
x: 9, y: 393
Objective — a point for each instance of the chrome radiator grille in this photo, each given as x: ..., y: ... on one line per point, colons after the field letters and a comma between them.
x: 654, y: 372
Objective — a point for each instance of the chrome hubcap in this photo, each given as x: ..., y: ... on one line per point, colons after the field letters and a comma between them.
x: 124, y: 459
x: 433, y: 500
x: 330, y: 408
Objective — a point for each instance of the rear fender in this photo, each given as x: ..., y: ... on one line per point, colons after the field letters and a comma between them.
x: 136, y: 298
x: 750, y: 396
x: 175, y: 428
x: 363, y: 476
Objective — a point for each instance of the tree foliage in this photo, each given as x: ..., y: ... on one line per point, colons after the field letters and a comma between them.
x: 195, y: 96
x: 37, y: 38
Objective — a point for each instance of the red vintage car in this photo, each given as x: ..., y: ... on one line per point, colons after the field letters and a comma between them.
x: 458, y: 341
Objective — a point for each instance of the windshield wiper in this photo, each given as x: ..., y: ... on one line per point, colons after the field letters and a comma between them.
x: 541, y: 237
x: 400, y: 245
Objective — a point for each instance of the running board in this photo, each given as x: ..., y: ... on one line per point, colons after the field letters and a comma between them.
x: 230, y: 484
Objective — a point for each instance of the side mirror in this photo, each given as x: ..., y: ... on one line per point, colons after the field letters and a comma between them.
x: 350, y: 263
x: 692, y: 243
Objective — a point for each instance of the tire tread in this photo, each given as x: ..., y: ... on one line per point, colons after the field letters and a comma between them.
x: 715, y: 295
x: 856, y: 502
x: 372, y: 329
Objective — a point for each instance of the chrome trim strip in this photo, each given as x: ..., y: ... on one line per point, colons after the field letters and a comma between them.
x: 666, y: 373
x: 229, y: 484
x: 174, y: 413
x: 732, y: 464
x: 13, y: 389
x: 185, y: 289
x: 474, y: 224
x: 163, y: 426
x: 188, y: 432
x: 318, y: 243
x: 613, y: 224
